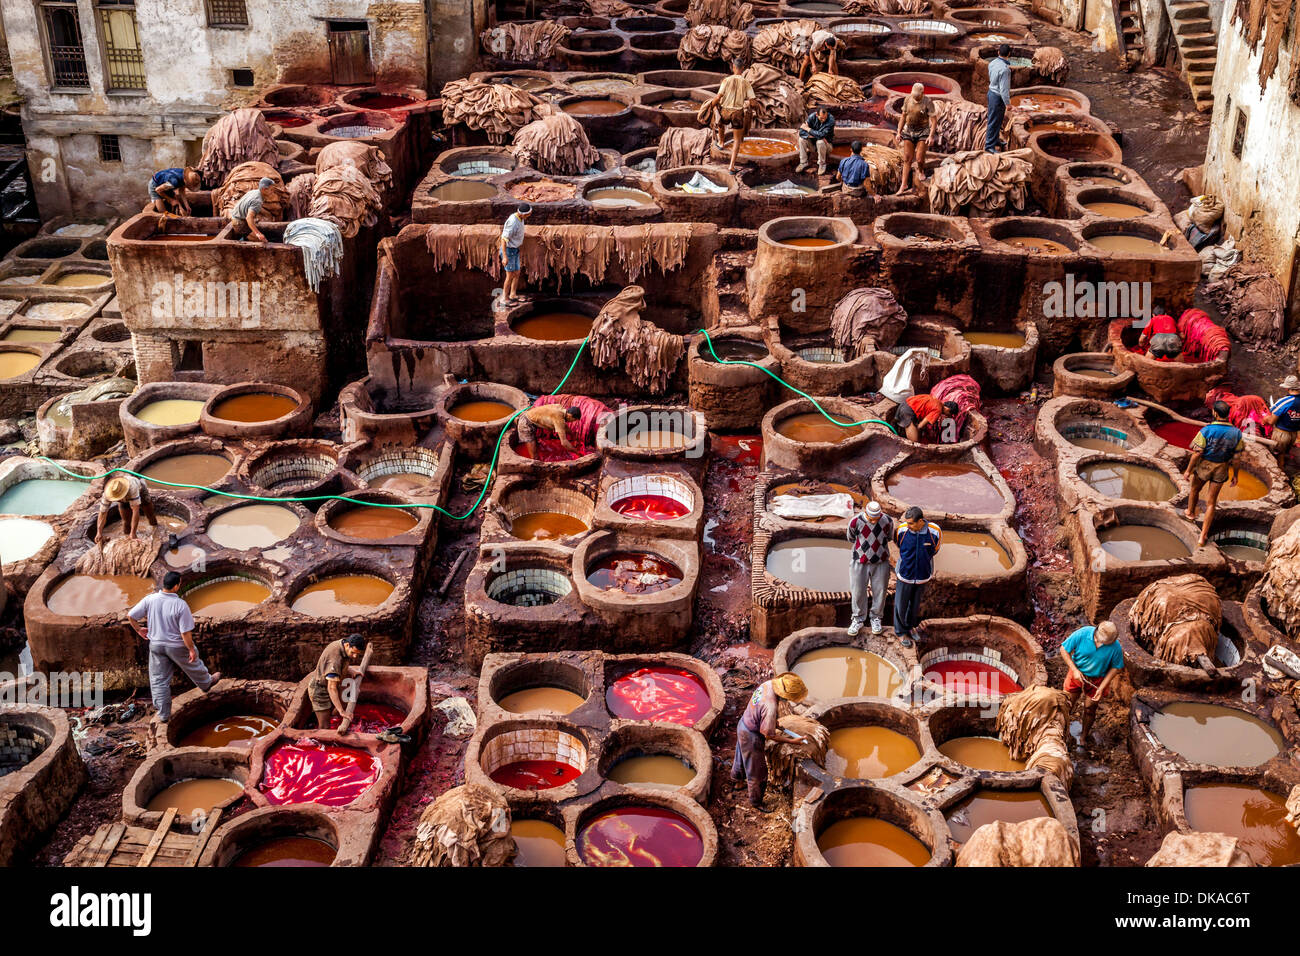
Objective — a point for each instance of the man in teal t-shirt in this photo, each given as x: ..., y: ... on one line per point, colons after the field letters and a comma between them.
x: 1095, y: 658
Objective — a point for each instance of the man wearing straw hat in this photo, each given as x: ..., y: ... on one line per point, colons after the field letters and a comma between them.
x: 1284, y: 416
x: 130, y: 496
x: 758, y: 724
x: 870, y: 531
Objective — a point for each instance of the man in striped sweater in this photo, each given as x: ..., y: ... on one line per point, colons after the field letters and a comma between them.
x: 870, y: 531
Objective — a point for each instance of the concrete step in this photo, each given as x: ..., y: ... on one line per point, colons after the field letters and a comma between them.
x: 1196, y: 39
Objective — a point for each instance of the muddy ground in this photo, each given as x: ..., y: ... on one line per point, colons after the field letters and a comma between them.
x: 1161, y: 134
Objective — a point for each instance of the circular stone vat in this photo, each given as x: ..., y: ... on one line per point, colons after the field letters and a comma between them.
x: 1098, y: 174
x: 1141, y: 542
x: 638, y: 834
x: 651, y: 498
x: 861, y: 826
x: 294, y: 850
x: 373, y: 518
x: 225, y: 595
x: 546, y: 512
x: 653, y: 758
x: 170, y: 411
x: 340, y: 594
x: 987, y: 805
x: 538, y: 843
x: 307, y: 771
x: 954, y: 487
x: 973, y: 552
x: 46, y: 248
x: 1035, y: 237
x: 290, y: 468
x: 601, y: 83
x: 110, y: 333
x: 534, y: 758
x: 16, y: 362
x: 225, y: 719
x: 1216, y: 735
x: 256, y: 410
x: 529, y: 587
x: 808, y: 233
x: 733, y: 349
x: 1049, y: 99
x: 814, y: 427
x: 404, y: 470
x: 1127, y: 480
x: 464, y: 191
x: 82, y: 277
x: 294, y: 94
x: 249, y: 526
x: 682, y: 79
x: 1099, y: 432
x: 556, y: 321
x: 658, y: 693
x: 1113, y: 203
x: 813, y: 563
x: 22, y: 538
x: 278, y: 837
x: 194, y: 782
x: 33, y: 491
x: 653, y: 431
x: 1256, y: 817
x: 359, y: 125
x: 839, y: 670
x: 90, y: 366
x: 476, y: 161
x: 87, y: 595
x: 969, y: 737
x: 868, y: 740
x: 1238, y: 542
x: 1133, y: 238
x: 539, y: 687
x: 165, y: 469
x: 618, y: 194
x: 633, y: 572
x: 928, y: 29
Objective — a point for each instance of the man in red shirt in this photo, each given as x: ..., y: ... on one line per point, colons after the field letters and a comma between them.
x: 921, y: 413
x: 1161, y: 339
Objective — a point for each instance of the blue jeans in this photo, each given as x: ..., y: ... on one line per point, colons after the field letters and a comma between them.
x: 993, y: 134
x: 512, y: 258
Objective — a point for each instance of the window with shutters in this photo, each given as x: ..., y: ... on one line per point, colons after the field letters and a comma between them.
x: 123, y: 59
x: 227, y: 13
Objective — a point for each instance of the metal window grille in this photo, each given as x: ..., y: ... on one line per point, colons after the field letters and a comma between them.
x: 123, y: 59
x: 110, y: 148
x: 67, y: 52
x: 227, y: 13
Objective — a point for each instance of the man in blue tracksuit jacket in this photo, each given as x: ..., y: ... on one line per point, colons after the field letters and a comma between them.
x: 918, y: 543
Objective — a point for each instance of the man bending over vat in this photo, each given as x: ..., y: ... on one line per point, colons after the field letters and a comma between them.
x: 550, y: 419
x: 822, y: 56
x: 818, y: 129
x: 512, y: 238
x: 733, y: 106
x: 1284, y: 417
x: 1161, y: 339
x: 129, y: 495
x: 758, y: 724
x: 918, y: 542
x: 170, y: 633
x: 871, y: 530
x: 1214, y: 461
x: 1094, y: 658
x: 245, y: 213
x: 325, y: 689
x: 167, y: 190
x: 920, y: 416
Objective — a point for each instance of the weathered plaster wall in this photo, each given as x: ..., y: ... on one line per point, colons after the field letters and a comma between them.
x: 1259, y: 190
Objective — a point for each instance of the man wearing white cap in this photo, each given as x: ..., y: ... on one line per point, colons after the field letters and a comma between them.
x: 246, y: 212
x: 129, y: 496
x: 870, y: 531
x: 1284, y: 416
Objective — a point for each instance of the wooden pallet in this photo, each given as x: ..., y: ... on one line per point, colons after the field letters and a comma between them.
x: 116, y: 844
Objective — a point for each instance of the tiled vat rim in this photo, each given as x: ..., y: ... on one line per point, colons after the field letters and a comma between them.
x: 28, y: 470
x: 569, y: 501
x: 985, y: 655
x: 1080, y: 428
x: 479, y: 168
x: 540, y: 743
x: 900, y: 349
x: 19, y: 744
x: 664, y: 485
x: 422, y: 461
x: 878, y: 28
x: 928, y: 26
x: 826, y: 355
x: 294, y: 467
x: 1241, y: 536
x: 546, y: 580
x: 232, y: 576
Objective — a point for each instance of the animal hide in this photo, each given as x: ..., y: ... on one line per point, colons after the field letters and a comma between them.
x: 682, y: 146
x: 832, y: 90
x: 782, y: 758
x: 240, y: 137
x: 524, y: 42
x: 1177, y: 619
x: 727, y: 13
x: 555, y: 144
x: 986, y: 183
x: 300, y: 191
x: 496, y: 108
x: 1042, y: 841
x: 887, y: 8
x: 466, y: 826
x: 959, y: 126
x: 344, y: 196
x: 785, y: 44
x: 244, y: 177
x: 780, y: 101
x: 867, y: 320
x: 1200, y: 849
x: 363, y: 156
x: 1280, y: 586
x: 712, y: 42
x: 1051, y: 64
x: 648, y: 354
x: 1252, y: 303
x: 1032, y: 724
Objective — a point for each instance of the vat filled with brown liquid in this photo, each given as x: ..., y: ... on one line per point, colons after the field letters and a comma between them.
x: 1117, y: 479
x: 288, y: 851
x: 555, y: 326
x: 372, y: 522
x: 652, y: 771
x: 28, y: 336
x: 1091, y: 372
x: 1257, y: 818
x: 1002, y: 340
x: 198, y: 795
x: 955, y: 487
x: 1115, y: 210
x: 226, y: 597
x: 171, y: 411
x: 198, y: 469
x: 971, y: 552
x: 230, y: 730
x: 869, y: 753
x: 1220, y: 736
x: 81, y: 595
x: 841, y: 671
x: 1247, y: 488
x: 814, y: 427
x: 481, y: 411
x: 758, y: 147
x: 253, y: 526
x: 254, y: 407
x: 594, y: 108
x: 79, y: 280
x: 538, y: 843
x: 1140, y: 542
x: 342, y: 595
x: 13, y: 364
x: 866, y: 841
x: 807, y: 242
x: 1118, y: 242
x: 989, y: 806
x: 818, y: 564
x: 463, y: 191
x: 618, y: 197
x: 546, y: 526
x: 981, y: 753
x: 541, y: 700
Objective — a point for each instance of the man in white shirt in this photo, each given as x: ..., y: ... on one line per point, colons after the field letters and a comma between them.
x: 512, y: 237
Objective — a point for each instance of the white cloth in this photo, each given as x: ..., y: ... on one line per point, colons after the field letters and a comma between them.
x: 322, y: 248
x: 699, y: 184
x: 837, y: 505
x: 897, y: 386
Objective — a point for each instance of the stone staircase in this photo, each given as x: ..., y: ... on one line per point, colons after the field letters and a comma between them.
x: 1197, y: 47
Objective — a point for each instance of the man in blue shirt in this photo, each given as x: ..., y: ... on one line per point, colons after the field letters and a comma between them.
x: 1284, y: 416
x: 167, y: 190
x: 918, y: 542
x: 1094, y: 658
x: 853, y: 170
x: 999, y: 97
x: 819, y: 129
x: 1214, y: 460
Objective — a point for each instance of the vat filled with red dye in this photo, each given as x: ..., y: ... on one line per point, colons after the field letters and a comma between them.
x: 907, y: 88
x: 1177, y: 433
x: 306, y: 771
x: 970, y: 677
x: 640, y: 835
x: 548, y: 449
x: 535, y: 774
x: 634, y: 572
x: 669, y: 694
x: 371, y: 718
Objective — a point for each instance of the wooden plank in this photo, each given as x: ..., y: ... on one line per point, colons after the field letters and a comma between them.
x: 159, y: 835
x: 361, y: 673
x: 102, y: 845
x: 192, y: 859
